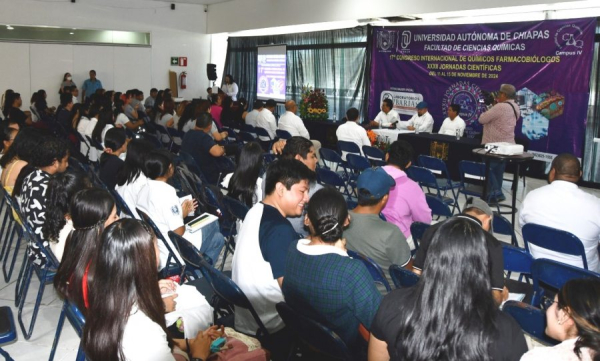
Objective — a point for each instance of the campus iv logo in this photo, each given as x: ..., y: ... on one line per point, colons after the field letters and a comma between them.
x: 405, y: 41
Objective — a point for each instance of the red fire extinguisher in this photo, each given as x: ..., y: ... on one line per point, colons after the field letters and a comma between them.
x: 183, y: 80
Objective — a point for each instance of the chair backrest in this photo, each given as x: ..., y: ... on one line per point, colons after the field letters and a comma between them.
x: 554, y: 240
x: 372, y: 152
x: 314, y: 333
x: 357, y: 162
x: 373, y: 268
x: 248, y: 128
x: 283, y: 134
x: 190, y: 255
x: 350, y: 147
x: 8, y: 333
x: 94, y: 143
x: 330, y: 177
x: 173, y: 264
x: 121, y: 205
x: 531, y: 319
x: 402, y: 277
x: 262, y: 132
x: 424, y: 177
x: 471, y: 172
x: 516, y: 259
x: 153, y: 139
x: 74, y: 316
x: 554, y: 275
x: 331, y: 155
x: 175, y: 133
x: 225, y: 288
x: 436, y: 165
x: 437, y: 206
x: 417, y: 230
x: 502, y: 225
x: 191, y: 164
x: 236, y: 208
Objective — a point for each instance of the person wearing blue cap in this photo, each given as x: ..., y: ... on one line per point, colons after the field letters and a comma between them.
x: 368, y: 234
x: 422, y: 122
x: 387, y: 117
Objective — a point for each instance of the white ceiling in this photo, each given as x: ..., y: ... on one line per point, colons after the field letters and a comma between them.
x: 197, y: 2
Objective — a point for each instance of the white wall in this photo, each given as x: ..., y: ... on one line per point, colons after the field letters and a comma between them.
x: 240, y: 15
x: 179, y: 32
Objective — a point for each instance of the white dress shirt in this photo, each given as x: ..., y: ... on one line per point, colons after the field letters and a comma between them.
x: 266, y: 120
x: 292, y: 123
x: 352, y: 132
x: 386, y: 120
x: 252, y: 117
x: 423, y: 123
x: 449, y: 126
x: 562, y: 205
x: 231, y: 90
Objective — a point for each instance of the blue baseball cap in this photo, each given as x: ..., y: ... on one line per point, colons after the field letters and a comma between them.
x: 422, y: 105
x: 376, y: 181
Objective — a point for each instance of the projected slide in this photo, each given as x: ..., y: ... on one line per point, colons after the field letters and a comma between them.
x: 271, y: 73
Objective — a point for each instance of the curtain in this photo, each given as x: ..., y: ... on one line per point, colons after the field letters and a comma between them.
x: 333, y: 60
x: 591, y: 153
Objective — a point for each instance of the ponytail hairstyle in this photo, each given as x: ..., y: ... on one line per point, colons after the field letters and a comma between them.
x: 125, y: 279
x: 89, y: 210
x: 8, y: 134
x: 105, y: 118
x: 61, y: 188
x: 327, y: 213
x: 158, y: 163
x: 580, y: 298
x: 133, y: 167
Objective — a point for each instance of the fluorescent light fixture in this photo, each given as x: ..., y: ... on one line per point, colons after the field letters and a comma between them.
x: 8, y: 27
x: 71, y: 33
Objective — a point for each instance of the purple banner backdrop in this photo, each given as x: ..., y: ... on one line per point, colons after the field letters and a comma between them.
x: 549, y: 63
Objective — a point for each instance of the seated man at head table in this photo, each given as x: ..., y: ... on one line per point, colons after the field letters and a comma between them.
x: 422, y: 122
x: 387, y: 117
x: 453, y: 123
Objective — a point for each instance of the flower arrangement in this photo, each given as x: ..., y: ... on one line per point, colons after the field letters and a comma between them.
x: 377, y: 142
x: 314, y: 104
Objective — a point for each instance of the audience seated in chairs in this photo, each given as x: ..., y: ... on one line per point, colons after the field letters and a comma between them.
x: 264, y: 239
x: 480, y: 214
x: 450, y: 314
x: 245, y: 183
x: 132, y: 178
x: 407, y: 202
x: 125, y: 313
x: 106, y: 121
x: 351, y: 131
x: 266, y: 120
x: 252, y: 116
x: 562, y: 205
x: 115, y: 145
x: 301, y: 149
x: 573, y: 317
x: 205, y: 151
x: 160, y: 202
x: 368, y: 234
x: 61, y: 189
x: 321, y: 281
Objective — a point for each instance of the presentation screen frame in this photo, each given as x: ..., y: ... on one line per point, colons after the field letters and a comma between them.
x: 271, y: 72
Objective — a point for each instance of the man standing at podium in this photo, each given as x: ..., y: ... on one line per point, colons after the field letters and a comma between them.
x: 422, y: 122
x: 499, y: 123
x: 387, y: 117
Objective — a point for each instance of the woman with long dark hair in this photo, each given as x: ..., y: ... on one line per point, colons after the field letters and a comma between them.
x: 125, y: 318
x: 58, y: 225
x: 450, y: 313
x: 21, y: 152
x: 187, y: 120
x: 321, y: 280
x: 106, y: 121
x: 131, y: 179
x: 245, y: 183
x: 227, y: 114
x: 230, y: 87
x: 66, y: 82
x: 91, y: 210
x: 573, y: 317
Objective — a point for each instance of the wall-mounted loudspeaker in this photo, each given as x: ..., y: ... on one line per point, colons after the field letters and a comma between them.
x: 211, y: 72
x: 172, y: 6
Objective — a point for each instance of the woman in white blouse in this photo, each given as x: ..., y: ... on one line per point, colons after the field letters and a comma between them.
x: 230, y: 87
x: 573, y: 317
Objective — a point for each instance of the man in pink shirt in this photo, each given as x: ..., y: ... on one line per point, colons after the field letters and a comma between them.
x: 406, y: 203
x: 499, y: 124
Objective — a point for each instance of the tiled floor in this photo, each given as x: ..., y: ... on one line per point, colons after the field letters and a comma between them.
x: 39, y: 346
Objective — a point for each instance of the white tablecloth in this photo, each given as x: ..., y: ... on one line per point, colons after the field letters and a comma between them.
x: 390, y: 135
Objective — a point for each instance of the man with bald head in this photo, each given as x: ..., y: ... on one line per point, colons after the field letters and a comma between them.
x: 292, y: 123
x: 562, y: 205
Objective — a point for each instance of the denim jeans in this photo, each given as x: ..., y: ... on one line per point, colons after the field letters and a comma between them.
x: 495, y: 178
x: 212, y: 241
